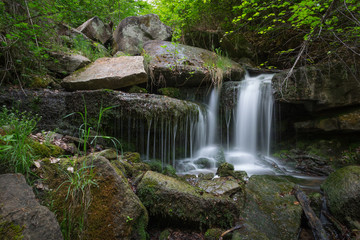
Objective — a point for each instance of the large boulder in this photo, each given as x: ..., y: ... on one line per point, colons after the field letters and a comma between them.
x: 270, y: 210
x: 65, y: 64
x: 96, y: 30
x: 319, y: 87
x: 115, y: 212
x: 132, y: 33
x: 170, y: 200
x: 19, y: 207
x: 177, y: 65
x: 108, y: 73
x: 342, y: 190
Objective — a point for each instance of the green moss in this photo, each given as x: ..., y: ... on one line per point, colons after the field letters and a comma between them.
x: 225, y: 169
x: 10, y: 231
x: 133, y: 157
x: 213, y: 234
x: 46, y: 150
x: 164, y: 235
x: 170, y: 92
x: 136, y: 89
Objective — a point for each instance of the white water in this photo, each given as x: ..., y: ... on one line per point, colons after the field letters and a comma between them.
x: 250, y: 132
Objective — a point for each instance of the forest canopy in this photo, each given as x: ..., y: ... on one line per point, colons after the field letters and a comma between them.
x: 281, y: 33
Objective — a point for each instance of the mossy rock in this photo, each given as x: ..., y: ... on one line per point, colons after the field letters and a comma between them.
x: 213, y: 234
x: 342, y: 190
x: 10, y: 231
x: 164, y: 235
x: 133, y: 157
x: 170, y: 200
x: 170, y: 92
x: 136, y: 89
x: 271, y: 209
x: 225, y: 170
x: 46, y: 150
x: 110, y: 154
x: 115, y: 211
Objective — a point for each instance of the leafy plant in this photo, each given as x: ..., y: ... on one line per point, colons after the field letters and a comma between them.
x: 15, y: 152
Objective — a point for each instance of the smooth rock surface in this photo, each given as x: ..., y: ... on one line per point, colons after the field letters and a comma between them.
x: 19, y: 206
x: 132, y: 33
x: 108, y: 73
x: 96, y: 30
x: 177, y: 65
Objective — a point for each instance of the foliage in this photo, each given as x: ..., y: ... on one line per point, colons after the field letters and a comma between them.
x: 80, y: 179
x: 90, y: 135
x: 15, y: 151
x: 28, y: 31
x: 89, y: 49
x: 307, y: 31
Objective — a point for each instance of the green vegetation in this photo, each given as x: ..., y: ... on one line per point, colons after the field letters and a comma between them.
x: 28, y: 32
x: 16, y: 153
x: 10, y: 231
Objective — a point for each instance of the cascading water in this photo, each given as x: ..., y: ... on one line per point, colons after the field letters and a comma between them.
x: 253, y: 120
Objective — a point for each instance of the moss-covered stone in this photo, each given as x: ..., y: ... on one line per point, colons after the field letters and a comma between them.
x: 271, y: 209
x: 115, y: 211
x: 46, y: 150
x: 164, y: 235
x: 213, y: 234
x: 170, y: 92
x: 170, y: 200
x: 342, y: 190
x: 133, y: 157
x: 110, y: 154
x: 225, y: 170
x: 10, y: 231
x: 137, y: 89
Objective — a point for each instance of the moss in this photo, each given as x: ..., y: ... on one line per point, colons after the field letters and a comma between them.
x: 170, y: 92
x: 225, y: 169
x: 133, y: 157
x: 46, y: 150
x: 10, y: 231
x: 136, y: 89
x: 164, y: 235
x: 213, y: 234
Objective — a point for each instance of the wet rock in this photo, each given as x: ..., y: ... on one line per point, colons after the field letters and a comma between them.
x: 169, y: 200
x: 133, y: 32
x: 178, y: 65
x: 222, y: 185
x: 20, y: 208
x: 271, y: 211
x: 54, y: 105
x: 225, y: 170
x: 108, y: 73
x: 319, y: 87
x: 65, y: 64
x: 96, y: 30
x: 342, y: 190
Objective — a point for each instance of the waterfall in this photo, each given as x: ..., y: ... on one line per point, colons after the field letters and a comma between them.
x: 254, y: 115
x: 198, y: 142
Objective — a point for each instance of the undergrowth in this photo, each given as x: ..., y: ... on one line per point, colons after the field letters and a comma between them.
x: 16, y: 153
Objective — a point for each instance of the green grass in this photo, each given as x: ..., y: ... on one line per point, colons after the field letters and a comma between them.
x: 16, y: 154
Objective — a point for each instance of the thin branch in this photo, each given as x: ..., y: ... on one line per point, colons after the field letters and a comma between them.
x: 355, y: 19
